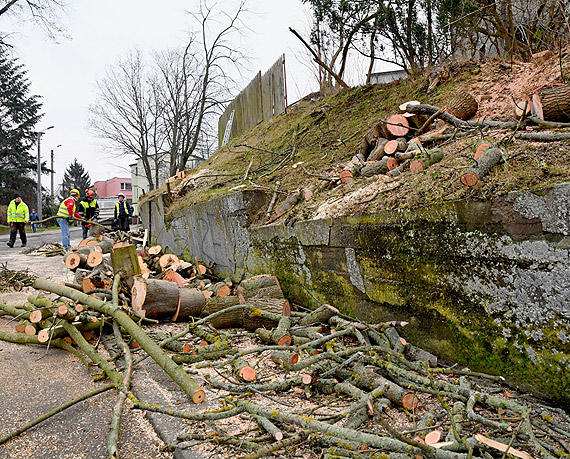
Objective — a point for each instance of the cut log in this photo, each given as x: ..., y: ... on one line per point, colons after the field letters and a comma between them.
x: 427, y: 159
x: 191, y: 303
x: 167, y: 260
x: 100, y: 277
x: 551, y: 103
x: 397, y: 126
x: 391, y: 147
x: 403, y: 156
x: 104, y: 245
x: 400, y: 169
x: 231, y: 319
x: 155, y: 299
x: 463, y: 106
x: 145, y: 271
x: 219, y: 289
x: 289, y: 202
x: 375, y: 168
x: 433, y: 437
x: 392, y: 163
x: 281, y: 357
x: 74, y: 260
x: 173, y: 276
x: 368, y: 142
x: 319, y: 315
x: 403, y: 108
x: 489, y: 158
x: 480, y: 148
x: 346, y: 176
x: 94, y: 259
x: 30, y: 329
x: 126, y: 262
x: 378, y: 151
x: 243, y: 371
x: 155, y: 250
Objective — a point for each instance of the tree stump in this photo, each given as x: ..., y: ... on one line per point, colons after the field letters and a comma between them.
x: 551, y: 103
x: 463, y: 106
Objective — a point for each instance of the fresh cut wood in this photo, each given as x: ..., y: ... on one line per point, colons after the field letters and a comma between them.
x: 488, y: 160
x: 551, y: 103
x: 154, y: 298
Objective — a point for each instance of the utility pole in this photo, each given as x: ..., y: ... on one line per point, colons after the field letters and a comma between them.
x: 52, y: 172
x: 39, y: 190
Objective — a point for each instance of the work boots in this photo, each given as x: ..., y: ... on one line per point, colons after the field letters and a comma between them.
x: 10, y: 244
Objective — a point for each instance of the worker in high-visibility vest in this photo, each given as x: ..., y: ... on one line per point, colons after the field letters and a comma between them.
x: 123, y: 212
x: 65, y: 215
x: 18, y: 216
x: 89, y: 209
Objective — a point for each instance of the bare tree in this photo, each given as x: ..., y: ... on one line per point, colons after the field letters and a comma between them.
x: 218, y: 53
x: 125, y: 113
x: 164, y: 111
x: 44, y: 13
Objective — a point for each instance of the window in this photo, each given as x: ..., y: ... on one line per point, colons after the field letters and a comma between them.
x: 126, y: 186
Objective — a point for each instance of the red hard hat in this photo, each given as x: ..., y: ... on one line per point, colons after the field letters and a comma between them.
x: 90, y: 194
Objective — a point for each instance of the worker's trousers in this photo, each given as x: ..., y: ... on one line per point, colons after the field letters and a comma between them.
x: 64, y: 225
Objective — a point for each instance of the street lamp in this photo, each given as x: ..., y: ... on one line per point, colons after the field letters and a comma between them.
x: 39, y: 191
x: 52, y: 171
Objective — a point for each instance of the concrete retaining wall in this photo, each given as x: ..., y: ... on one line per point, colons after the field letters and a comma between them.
x: 486, y: 284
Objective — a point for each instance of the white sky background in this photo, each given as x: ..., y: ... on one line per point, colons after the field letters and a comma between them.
x: 103, y: 31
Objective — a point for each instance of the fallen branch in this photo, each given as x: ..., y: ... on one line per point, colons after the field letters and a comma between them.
x: 178, y: 375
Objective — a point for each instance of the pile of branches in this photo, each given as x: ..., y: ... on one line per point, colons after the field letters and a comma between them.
x: 317, y: 382
x: 14, y: 279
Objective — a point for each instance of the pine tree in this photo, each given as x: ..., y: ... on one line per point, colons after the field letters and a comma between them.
x: 19, y: 113
x: 75, y: 176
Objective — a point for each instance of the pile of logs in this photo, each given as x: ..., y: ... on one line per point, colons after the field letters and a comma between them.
x: 393, y: 145
x: 397, y: 143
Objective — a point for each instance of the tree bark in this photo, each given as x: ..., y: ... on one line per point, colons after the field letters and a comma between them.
x: 428, y: 158
x: 125, y: 261
x: 155, y: 299
x: 552, y: 103
x: 463, y: 106
x: 489, y: 158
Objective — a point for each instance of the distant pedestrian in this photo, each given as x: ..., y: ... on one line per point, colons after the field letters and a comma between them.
x: 65, y: 216
x: 34, y: 217
x: 89, y: 209
x: 123, y: 212
x: 18, y: 216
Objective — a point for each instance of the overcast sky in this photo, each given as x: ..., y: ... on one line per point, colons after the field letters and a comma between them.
x: 100, y: 32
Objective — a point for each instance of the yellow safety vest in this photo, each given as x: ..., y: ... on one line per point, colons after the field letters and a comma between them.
x: 63, y: 212
x: 18, y: 213
x: 124, y: 205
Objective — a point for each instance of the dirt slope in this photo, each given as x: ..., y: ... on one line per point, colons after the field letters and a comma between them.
x: 319, y: 135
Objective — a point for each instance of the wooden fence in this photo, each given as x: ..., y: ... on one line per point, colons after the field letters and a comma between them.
x: 265, y: 96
